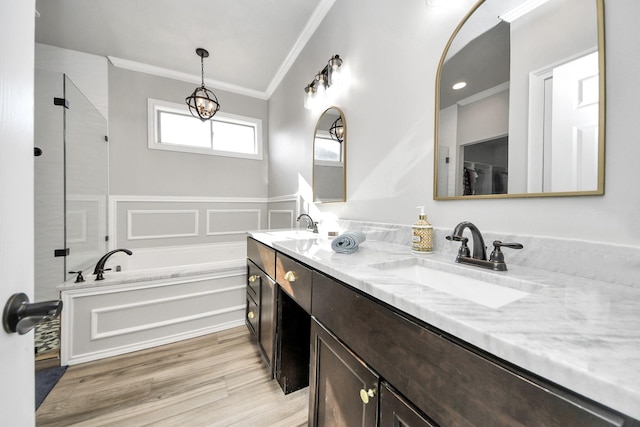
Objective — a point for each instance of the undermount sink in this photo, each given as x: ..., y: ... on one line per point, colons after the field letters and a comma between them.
x: 479, y: 291
x: 293, y: 234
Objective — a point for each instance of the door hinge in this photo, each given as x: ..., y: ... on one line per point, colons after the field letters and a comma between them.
x: 106, y: 238
x: 61, y: 252
x: 61, y: 101
x: 106, y: 138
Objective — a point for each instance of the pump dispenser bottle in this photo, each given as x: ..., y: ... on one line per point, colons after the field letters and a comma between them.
x: 422, y: 239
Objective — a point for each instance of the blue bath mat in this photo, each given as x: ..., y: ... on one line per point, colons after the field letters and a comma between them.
x: 46, y: 379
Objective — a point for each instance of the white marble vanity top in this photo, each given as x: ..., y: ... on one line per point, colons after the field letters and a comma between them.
x: 579, y: 333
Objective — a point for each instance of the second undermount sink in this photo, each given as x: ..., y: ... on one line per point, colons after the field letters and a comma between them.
x: 482, y: 292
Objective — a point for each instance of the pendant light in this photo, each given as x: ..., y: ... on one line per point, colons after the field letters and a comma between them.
x: 203, y: 103
x: 337, y: 130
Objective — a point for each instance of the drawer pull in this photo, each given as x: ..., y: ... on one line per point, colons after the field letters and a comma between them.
x: 290, y: 276
x: 253, y: 278
x: 366, y: 394
x: 251, y: 315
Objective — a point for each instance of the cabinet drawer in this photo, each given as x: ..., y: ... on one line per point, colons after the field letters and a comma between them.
x: 451, y: 383
x: 295, y: 279
x: 251, y: 316
x: 253, y: 280
x: 262, y: 255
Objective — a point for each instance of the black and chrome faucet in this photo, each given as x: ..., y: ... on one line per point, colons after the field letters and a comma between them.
x: 479, y: 257
x: 99, y: 270
x: 311, y: 224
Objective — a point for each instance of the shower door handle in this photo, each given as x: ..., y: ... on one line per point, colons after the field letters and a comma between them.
x: 21, y: 316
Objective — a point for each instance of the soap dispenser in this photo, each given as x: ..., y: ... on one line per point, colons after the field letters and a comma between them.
x: 422, y: 239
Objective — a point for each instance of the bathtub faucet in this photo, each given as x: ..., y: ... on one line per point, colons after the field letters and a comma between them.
x: 99, y: 270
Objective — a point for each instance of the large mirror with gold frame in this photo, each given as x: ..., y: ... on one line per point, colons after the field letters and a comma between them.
x: 520, y: 101
x: 329, y: 157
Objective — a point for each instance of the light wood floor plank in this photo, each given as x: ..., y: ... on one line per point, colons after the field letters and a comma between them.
x: 215, y: 380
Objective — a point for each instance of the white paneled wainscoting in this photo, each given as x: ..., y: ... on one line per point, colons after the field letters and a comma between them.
x: 158, y: 221
x: 185, y: 278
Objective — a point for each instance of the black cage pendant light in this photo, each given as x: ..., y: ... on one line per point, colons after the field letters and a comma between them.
x: 337, y: 130
x: 203, y: 103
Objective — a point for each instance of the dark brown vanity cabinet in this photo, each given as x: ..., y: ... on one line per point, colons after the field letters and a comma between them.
x: 344, y: 391
x: 294, y: 322
x: 260, y: 316
x: 449, y: 381
x: 278, y: 313
x: 396, y: 411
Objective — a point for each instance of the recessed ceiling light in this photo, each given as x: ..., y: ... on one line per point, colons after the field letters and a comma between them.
x: 459, y: 85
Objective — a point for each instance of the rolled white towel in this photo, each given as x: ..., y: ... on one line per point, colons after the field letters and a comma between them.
x: 347, y: 242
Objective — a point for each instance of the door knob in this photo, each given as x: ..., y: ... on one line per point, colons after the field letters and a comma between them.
x: 290, y: 276
x: 21, y: 316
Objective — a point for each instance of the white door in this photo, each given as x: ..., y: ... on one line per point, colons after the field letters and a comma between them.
x: 17, y: 20
x: 574, y: 130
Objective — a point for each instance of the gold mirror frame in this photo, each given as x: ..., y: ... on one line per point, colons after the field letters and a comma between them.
x: 322, y: 127
x: 601, y: 117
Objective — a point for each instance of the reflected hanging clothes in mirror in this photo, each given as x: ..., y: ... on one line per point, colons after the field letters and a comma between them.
x: 469, y: 178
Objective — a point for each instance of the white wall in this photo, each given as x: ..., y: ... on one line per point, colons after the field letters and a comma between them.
x: 392, y: 50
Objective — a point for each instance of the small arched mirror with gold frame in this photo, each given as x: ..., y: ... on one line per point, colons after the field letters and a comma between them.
x: 520, y: 102
x: 329, y: 157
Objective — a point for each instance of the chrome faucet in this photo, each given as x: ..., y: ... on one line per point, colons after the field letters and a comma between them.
x: 99, y: 270
x: 311, y: 224
x: 479, y: 257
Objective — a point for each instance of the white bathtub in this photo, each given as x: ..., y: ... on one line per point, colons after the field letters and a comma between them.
x: 159, y: 296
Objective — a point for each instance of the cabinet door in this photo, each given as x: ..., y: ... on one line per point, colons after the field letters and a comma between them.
x: 267, y: 328
x: 395, y: 411
x: 344, y: 391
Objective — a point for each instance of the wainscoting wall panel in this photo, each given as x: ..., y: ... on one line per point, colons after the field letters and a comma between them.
x: 160, y: 221
x: 280, y: 218
x: 232, y: 221
x: 160, y: 224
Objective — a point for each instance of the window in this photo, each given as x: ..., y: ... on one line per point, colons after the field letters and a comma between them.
x: 172, y: 127
x: 327, y: 150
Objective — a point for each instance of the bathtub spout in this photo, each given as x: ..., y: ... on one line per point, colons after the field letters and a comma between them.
x: 99, y: 270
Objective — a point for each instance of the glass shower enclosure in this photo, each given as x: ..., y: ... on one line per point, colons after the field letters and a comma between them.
x: 71, y: 190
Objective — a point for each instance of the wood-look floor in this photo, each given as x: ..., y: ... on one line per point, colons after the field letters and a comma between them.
x: 214, y: 380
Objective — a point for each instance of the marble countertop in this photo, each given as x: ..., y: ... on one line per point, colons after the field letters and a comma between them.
x: 579, y: 333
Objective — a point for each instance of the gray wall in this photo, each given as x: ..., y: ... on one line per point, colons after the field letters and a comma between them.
x: 167, y: 198
x: 135, y: 169
x: 392, y: 50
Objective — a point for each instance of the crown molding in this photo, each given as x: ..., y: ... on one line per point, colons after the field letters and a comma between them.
x: 314, y: 22
x: 484, y: 94
x: 140, y: 67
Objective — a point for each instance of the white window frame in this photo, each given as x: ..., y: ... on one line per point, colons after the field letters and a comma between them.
x: 335, y: 163
x: 155, y: 105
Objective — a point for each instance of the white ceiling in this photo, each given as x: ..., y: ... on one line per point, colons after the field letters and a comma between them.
x: 251, y: 43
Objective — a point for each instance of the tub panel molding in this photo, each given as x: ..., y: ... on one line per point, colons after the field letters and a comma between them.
x: 107, y: 320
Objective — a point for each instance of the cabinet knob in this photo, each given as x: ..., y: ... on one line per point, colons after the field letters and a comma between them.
x: 366, y: 394
x: 253, y: 278
x: 290, y: 276
x: 251, y: 315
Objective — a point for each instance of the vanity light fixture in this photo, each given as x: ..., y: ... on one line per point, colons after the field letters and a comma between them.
x: 459, y: 85
x: 337, y: 130
x: 329, y: 76
x: 203, y: 103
